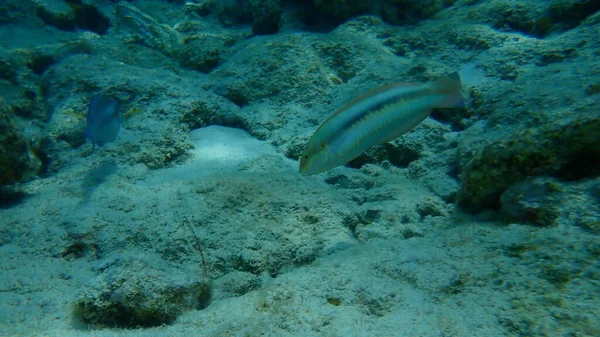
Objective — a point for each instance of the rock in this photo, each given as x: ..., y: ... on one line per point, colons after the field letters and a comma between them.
x: 296, y: 68
x: 41, y: 58
x: 432, y: 207
x: 163, y: 150
x: 139, y: 291
x: 205, y: 51
x: 534, y: 201
x: 26, y: 101
x: 268, y: 68
x: 536, y: 18
x: 155, y: 140
x: 17, y: 159
x: 523, y: 17
x: 56, y: 14
x: 558, y: 147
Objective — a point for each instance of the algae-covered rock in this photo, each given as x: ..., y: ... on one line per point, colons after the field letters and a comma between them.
x: 56, y: 14
x: 206, y: 51
x: 139, y: 291
x: 163, y: 150
x: 536, y: 18
x: 299, y: 67
x: 283, y: 65
x: 559, y: 148
x: 535, y: 201
x: 17, y: 160
x: 25, y: 100
x: 41, y: 58
x: 8, y: 68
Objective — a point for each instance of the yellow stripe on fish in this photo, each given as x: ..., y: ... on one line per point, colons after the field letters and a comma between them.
x: 377, y: 117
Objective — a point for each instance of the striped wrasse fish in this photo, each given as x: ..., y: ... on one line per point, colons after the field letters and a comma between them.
x: 377, y: 117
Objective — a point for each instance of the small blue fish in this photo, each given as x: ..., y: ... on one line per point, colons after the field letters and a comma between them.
x: 103, y: 120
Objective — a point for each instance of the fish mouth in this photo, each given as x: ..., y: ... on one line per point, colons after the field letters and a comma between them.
x: 303, y: 164
x: 302, y: 170
x: 304, y: 173
x: 308, y: 171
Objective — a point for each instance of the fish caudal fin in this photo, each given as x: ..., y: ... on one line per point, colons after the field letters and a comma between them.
x: 450, y: 86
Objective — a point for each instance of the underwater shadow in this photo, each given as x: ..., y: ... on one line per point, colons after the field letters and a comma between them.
x: 96, y: 177
x: 11, y: 196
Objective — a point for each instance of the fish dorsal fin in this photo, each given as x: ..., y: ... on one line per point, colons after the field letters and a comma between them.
x: 449, y: 84
x: 450, y: 87
x: 374, y: 92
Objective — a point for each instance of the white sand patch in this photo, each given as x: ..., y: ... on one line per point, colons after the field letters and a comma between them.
x: 217, y: 149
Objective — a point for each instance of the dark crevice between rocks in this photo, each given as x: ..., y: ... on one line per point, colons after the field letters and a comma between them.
x: 452, y: 116
x: 40, y: 63
x: 313, y: 19
x: 583, y: 165
x: 235, y: 96
x: 203, y: 115
x: 350, y: 182
x: 352, y: 222
x: 8, y: 71
x: 82, y: 16
x: 88, y: 17
x: 398, y: 155
x: 121, y: 316
x: 570, y: 14
x: 79, y: 246
x: 40, y: 151
x: 11, y: 196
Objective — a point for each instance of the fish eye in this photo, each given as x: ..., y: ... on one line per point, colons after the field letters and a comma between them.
x: 323, y: 145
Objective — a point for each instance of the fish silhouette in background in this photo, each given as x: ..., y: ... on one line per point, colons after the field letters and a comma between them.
x: 103, y: 120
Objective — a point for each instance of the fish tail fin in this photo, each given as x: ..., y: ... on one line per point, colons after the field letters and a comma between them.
x: 450, y: 86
